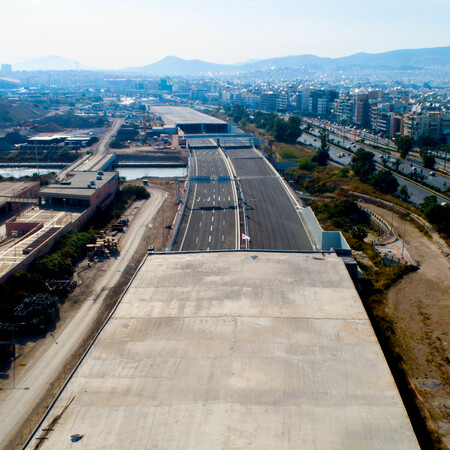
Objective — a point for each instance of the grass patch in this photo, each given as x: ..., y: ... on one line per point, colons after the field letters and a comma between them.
x: 289, y: 152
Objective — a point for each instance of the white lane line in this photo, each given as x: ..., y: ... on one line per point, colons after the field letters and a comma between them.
x: 212, y: 219
x: 198, y: 199
x: 208, y: 199
x: 229, y: 198
x: 211, y: 228
x: 207, y: 249
x: 223, y: 222
x: 223, y: 237
x: 196, y: 240
x: 192, y: 208
x: 209, y: 240
x: 200, y: 225
x: 214, y: 202
x: 218, y: 198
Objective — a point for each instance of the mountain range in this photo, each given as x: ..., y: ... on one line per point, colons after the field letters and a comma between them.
x: 172, y: 65
x: 53, y: 62
x: 396, y: 59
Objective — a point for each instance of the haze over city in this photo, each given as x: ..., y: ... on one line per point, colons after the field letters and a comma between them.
x: 225, y: 224
x: 105, y: 34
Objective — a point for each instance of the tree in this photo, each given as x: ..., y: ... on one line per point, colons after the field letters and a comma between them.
x: 307, y: 164
x: 404, y: 145
x: 404, y: 193
x: 363, y: 164
x: 437, y: 214
x: 294, y: 130
x: 428, y: 159
x: 359, y: 232
x: 384, y: 181
x: 323, y: 155
x: 280, y: 130
x: 397, y: 163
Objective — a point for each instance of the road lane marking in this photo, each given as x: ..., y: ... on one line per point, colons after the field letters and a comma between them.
x: 211, y: 228
x: 209, y: 240
x: 200, y: 225
x: 223, y: 222
x: 212, y: 219
x: 196, y: 240
x: 223, y: 237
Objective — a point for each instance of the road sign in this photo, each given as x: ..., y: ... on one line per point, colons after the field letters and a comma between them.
x: 203, y: 179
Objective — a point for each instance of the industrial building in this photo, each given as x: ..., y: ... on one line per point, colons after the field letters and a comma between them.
x: 15, y: 193
x: 63, y: 207
x: 179, y: 119
x: 82, y: 190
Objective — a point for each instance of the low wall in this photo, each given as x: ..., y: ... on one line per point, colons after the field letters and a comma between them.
x: 325, y: 241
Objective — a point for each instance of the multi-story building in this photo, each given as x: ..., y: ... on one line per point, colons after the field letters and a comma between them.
x: 431, y: 123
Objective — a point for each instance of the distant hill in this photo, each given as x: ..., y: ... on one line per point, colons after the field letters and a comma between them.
x: 50, y: 63
x: 410, y: 58
x: 171, y: 65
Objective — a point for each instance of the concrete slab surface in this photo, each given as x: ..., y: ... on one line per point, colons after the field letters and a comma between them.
x: 176, y: 115
x: 235, y: 350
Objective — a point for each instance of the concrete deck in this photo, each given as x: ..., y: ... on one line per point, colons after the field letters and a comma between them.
x: 235, y: 350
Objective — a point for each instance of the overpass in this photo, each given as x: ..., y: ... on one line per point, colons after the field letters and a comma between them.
x: 215, y: 347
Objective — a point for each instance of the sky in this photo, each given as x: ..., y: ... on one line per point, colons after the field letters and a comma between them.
x: 113, y: 34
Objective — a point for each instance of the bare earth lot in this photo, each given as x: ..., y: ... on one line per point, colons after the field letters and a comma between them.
x: 420, y: 306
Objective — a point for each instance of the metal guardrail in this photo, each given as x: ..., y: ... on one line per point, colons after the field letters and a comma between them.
x: 183, y: 211
x: 388, y: 229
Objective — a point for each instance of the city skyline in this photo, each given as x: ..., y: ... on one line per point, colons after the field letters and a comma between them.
x: 113, y: 35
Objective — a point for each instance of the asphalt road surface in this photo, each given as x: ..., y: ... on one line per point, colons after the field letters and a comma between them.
x: 273, y: 221
x: 406, y: 166
x: 417, y: 193
x: 211, y: 219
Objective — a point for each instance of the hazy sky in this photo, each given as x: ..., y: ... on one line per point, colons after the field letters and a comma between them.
x: 122, y: 33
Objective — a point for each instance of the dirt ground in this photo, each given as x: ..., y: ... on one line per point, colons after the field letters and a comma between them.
x: 420, y: 307
x: 88, y: 278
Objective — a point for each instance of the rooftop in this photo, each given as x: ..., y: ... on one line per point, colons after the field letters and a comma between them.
x: 76, y: 183
x: 235, y: 350
x: 176, y: 115
x: 13, y: 188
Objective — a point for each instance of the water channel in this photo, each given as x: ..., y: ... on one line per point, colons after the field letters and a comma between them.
x: 130, y: 173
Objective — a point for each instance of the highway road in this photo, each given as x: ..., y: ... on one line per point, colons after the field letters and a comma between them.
x: 273, y: 220
x: 211, y: 220
x: 406, y: 166
x: 417, y: 193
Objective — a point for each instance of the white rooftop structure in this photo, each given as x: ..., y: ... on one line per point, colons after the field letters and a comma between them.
x: 235, y: 350
x: 177, y: 115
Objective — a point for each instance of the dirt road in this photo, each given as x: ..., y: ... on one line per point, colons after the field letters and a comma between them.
x: 420, y: 307
x: 39, y: 366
